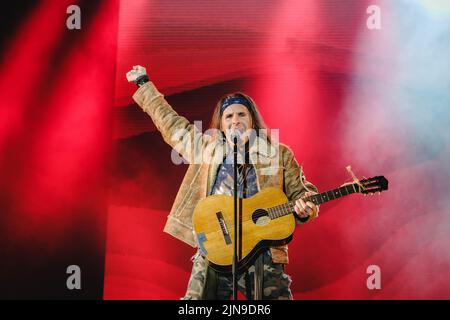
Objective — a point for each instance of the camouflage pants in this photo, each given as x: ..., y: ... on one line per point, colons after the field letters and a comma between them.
x: 275, y: 282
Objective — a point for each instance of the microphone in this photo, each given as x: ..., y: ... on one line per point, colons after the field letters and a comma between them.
x: 235, y: 135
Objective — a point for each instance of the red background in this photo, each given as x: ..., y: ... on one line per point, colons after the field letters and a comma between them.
x: 86, y: 179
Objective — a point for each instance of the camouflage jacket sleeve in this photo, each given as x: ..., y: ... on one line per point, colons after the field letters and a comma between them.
x: 176, y: 130
x: 295, y: 183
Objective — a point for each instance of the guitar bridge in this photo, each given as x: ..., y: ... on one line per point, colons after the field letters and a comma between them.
x: 223, y: 227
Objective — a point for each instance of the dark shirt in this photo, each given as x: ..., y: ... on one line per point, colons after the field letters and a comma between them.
x: 224, y: 183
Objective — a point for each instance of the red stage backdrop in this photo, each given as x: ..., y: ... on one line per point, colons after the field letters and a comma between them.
x: 56, y: 95
x: 85, y: 178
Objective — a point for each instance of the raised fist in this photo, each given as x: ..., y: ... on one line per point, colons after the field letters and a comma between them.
x: 135, y: 73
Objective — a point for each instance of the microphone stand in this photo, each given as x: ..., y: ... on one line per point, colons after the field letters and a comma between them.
x: 258, y: 275
x: 235, y: 257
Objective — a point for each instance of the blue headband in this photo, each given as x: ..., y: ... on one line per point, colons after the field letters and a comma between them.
x: 234, y: 100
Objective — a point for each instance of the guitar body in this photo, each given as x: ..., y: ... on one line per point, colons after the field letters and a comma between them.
x: 214, y: 227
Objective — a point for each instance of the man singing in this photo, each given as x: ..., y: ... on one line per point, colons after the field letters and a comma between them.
x: 260, y: 168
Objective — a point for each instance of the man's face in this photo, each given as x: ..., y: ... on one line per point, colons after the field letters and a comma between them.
x: 236, y: 117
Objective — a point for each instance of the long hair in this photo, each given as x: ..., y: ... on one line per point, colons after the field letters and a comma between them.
x: 257, y: 120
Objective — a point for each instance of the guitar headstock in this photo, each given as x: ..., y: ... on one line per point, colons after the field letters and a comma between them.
x: 373, y: 185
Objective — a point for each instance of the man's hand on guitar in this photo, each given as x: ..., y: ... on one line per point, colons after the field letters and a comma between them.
x: 306, y: 209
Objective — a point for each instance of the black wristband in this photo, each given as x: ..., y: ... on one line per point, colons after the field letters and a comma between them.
x: 141, y: 80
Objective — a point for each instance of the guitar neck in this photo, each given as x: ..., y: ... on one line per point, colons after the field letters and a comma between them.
x: 288, y: 208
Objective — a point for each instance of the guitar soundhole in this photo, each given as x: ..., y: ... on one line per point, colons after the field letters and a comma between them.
x: 261, y: 217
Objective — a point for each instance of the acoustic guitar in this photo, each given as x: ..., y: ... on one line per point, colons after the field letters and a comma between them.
x: 266, y: 220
